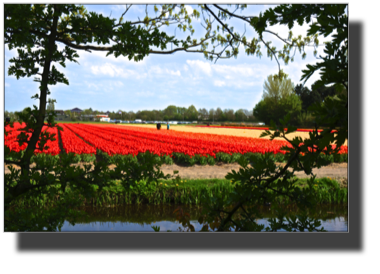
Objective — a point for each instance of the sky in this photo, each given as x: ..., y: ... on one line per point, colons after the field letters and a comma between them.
x: 182, y: 79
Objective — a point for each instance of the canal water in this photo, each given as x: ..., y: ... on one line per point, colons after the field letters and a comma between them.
x: 141, y: 218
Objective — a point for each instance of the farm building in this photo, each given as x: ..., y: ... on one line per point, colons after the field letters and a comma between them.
x: 76, y: 110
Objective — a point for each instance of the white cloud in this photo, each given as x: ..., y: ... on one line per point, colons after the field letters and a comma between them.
x: 107, y: 69
x: 7, y: 85
x: 200, y: 65
x: 91, y: 85
x: 118, y: 84
x: 219, y: 83
x: 101, y: 86
x: 238, y: 70
x: 155, y: 70
x: 134, y: 74
x: 89, y: 92
x: 177, y: 72
x: 160, y: 71
x: 116, y: 71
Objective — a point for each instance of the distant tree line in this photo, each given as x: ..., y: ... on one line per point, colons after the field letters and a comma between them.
x: 171, y: 113
x: 176, y: 113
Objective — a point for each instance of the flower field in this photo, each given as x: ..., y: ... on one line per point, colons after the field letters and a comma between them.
x: 116, y: 140
x: 11, y: 140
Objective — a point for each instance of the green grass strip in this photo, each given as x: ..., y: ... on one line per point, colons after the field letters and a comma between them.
x: 188, y: 192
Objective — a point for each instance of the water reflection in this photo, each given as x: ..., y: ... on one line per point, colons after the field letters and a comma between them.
x: 141, y: 218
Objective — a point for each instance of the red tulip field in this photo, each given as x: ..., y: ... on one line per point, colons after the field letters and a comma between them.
x: 11, y: 140
x: 126, y: 140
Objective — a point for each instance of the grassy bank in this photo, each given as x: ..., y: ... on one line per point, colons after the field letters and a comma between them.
x: 186, y: 192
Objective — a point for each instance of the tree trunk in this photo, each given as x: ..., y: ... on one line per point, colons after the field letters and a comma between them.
x: 25, y: 161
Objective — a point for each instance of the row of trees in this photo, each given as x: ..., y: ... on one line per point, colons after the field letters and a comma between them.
x: 176, y: 113
x: 171, y: 113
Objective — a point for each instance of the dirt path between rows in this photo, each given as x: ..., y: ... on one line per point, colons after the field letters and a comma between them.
x: 337, y: 171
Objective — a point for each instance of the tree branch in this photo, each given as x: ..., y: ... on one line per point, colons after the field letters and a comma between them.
x: 127, y: 8
x: 220, y: 22
x: 242, y: 207
x: 232, y: 14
